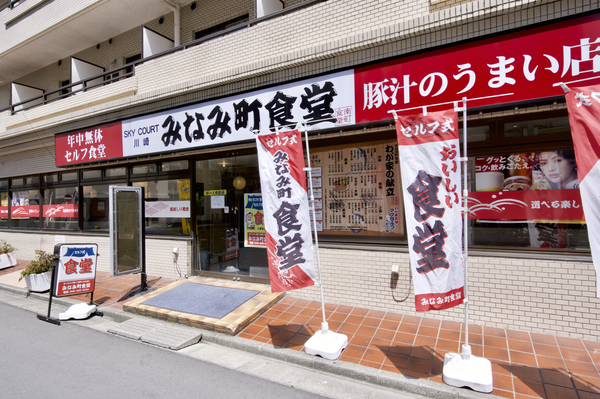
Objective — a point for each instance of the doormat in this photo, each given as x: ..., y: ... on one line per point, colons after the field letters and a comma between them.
x: 195, y: 301
x: 203, y: 300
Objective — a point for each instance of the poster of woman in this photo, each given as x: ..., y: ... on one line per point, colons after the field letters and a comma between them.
x: 555, y: 170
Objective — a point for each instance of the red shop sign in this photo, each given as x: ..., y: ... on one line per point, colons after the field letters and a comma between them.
x: 96, y: 144
x: 521, y: 65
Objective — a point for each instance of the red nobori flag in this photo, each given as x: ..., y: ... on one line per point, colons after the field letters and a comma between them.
x: 285, y: 204
x: 430, y: 166
x: 583, y: 104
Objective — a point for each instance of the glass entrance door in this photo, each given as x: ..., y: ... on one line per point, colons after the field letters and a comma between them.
x: 221, y: 224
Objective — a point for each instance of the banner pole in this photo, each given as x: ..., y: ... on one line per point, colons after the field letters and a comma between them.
x: 466, y: 347
x: 324, y: 325
x: 325, y: 343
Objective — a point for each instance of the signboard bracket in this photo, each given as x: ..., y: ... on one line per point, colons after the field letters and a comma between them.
x: 55, y: 259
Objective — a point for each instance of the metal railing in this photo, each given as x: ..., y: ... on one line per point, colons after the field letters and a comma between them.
x: 9, y: 4
x: 109, y: 76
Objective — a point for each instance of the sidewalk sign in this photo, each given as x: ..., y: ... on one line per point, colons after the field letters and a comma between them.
x: 73, y: 273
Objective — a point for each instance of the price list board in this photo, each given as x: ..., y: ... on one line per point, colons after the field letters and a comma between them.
x: 358, y: 190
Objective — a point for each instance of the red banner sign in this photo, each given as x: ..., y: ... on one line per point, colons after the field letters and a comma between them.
x: 60, y: 211
x: 521, y: 65
x: 285, y: 203
x: 526, y: 205
x: 65, y: 288
x: 3, y: 211
x: 25, y: 211
x: 430, y: 164
x: 93, y: 145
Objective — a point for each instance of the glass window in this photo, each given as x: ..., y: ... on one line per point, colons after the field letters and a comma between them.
x: 477, y: 134
x: 25, y: 209
x: 60, y: 208
x: 537, y: 127
x: 358, y: 194
x: 527, y: 200
x: 167, y: 206
x: 51, y: 178
x: 95, y: 174
x: 32, y: 180
x: 115, y: 172
x: 3, y: 203
x: 68, y: 177
x: 95, y: 206
x: 174, y: 166
x: 3, y: 208
x: 16, y: 182
x: 143, y: 169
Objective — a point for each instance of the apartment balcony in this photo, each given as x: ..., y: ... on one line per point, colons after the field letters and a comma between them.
x: 34, y: 33
x: 162, y: 69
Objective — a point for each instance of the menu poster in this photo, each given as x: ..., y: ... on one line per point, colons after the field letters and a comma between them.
x: 254, y: 221
x: 535, y: 187
x: 360, y: 189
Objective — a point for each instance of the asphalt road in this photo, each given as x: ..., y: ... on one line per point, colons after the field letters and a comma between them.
x: 42, y: 360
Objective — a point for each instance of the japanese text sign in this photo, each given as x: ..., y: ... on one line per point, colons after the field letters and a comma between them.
x: 430, y: 164
x: 521, y: 65
x: 583, y: 104
x: 90, y: 145
x: 326, y: 101
x: 285, y: 204
x: 76, y: 272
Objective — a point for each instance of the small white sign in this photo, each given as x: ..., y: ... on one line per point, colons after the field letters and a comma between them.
x: 167, y: 209
x: 217, y: 202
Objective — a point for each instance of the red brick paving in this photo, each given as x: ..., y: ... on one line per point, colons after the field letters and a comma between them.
x: 524, y: 365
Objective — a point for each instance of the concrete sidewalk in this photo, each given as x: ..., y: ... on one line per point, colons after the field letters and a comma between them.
x: 393, y: 350
x: 334, y: 379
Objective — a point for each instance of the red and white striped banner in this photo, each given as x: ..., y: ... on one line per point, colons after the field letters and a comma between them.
x: 583, y: 104
x: 285, y: 203
x: 430, y: 166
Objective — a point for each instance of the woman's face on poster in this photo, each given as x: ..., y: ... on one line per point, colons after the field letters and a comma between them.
x: 557, y: 169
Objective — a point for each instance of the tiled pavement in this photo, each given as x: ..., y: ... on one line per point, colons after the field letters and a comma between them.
x: 524, y: 365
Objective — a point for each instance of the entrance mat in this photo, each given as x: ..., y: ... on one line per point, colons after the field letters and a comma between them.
x: 202, y: 299
x: 218, y: 305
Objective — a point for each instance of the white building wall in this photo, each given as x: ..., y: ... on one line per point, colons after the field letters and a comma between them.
x: 160, y: 261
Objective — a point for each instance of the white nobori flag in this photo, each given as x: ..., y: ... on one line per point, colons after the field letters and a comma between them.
x: 430, y: 166
x: 583, y: 104
x: 285, y: 204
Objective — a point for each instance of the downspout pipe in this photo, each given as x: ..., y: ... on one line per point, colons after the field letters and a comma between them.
x: 177, y: 20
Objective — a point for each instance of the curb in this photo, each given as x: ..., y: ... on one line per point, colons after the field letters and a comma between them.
x: 338, y: 368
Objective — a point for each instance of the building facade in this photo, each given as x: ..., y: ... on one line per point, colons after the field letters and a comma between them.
x: 169, y: 96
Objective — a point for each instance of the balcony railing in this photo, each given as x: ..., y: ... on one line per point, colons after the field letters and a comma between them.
x: 122, y: 72
x: 9, y: 4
